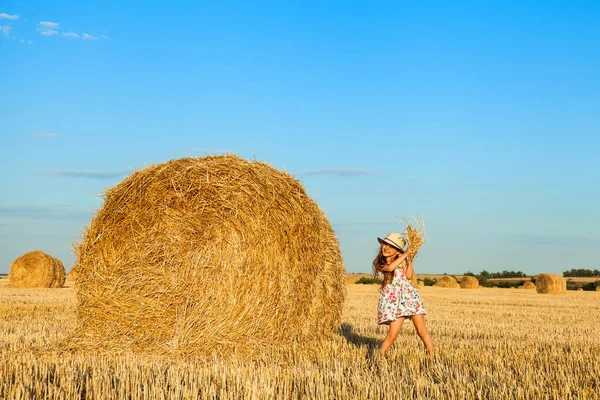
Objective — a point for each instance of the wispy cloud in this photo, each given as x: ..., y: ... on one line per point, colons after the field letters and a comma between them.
x: 87, y: 36
x: 49, y: 32
x: 347, y: 172
x: 8, y: 16
x: 553, y: 240
x: 22, y: 41
x: 40, y: 212
x: 49, y: 25
x: 48, y: 28
x: 70, y: 35
x: 43, y: 134
x: 5, y: 30
x: 9, y: 223
x: 88, y: 174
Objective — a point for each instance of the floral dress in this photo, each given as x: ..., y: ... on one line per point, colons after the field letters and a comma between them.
x: 399, y: 298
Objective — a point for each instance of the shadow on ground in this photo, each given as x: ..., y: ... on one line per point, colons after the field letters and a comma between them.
x: 358, y: 340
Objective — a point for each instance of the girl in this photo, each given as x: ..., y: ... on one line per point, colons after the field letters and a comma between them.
x: 399, y: 299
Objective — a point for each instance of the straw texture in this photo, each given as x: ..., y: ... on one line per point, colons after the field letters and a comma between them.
x: 207, y: 255
x: 446, y: 282
x: 36, y: 269
x: 550, y: 284
x: 469, y: 282
x: 416, y: 235
x: 527, y: 285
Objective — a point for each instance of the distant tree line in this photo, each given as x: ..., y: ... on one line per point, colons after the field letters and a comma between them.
x: 582, y: 272
x: 485, y: 275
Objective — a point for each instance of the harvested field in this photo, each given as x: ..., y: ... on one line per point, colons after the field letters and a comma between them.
x: 480, y: 337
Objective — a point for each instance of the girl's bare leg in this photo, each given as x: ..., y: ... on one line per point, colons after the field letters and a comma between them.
x: 391, y: 335
x: 419, y: 322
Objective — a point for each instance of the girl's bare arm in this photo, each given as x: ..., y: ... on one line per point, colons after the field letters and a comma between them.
x: 409, y: 269
x: 394, y: 264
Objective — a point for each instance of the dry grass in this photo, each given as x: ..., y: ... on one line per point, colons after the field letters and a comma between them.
x: 207, y: 255
x: 491, y: 344
x: 416, y: 235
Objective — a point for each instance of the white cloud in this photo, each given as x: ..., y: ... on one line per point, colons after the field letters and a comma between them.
x: 44, y: 134
x: 70, y: 35
x: 49, y: 32
x: 5, y: 30
x: 103, y: 37
x: 49, y: 25
x: 87, y: 36
x: 10, y: 17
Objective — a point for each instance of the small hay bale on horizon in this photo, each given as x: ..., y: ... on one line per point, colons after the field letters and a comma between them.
x: 212, y: 255
x: 72, y: 275
x: 446, y: 282
x: 550, y: 284
x: 598, y: 288
x: 469, y: 282
x: 36, y: 269
x: 60, y: 274
x: 527, y: 285
x: 420, y: 284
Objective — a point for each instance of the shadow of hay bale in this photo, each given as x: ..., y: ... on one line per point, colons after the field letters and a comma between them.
x: 207, y: 255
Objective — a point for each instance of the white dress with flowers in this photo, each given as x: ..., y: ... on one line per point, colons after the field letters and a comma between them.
x: 399, y: 298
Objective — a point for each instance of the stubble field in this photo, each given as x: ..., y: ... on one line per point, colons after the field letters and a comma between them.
x: 490, y: 343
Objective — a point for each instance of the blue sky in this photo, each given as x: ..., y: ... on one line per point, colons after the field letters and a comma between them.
x: 481, y: 117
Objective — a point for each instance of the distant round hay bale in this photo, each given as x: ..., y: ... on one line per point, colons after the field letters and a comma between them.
x: 60, y: 274
x: 469, y: 282
x: 35, y: 269
x: 207, y: 255
x: 420, y: 284
x: 527, y: 285
x: 446, y: 282
x: 72, y: 276
x: 597, y: 288
x: 550, y: 284
x: 580, y: 289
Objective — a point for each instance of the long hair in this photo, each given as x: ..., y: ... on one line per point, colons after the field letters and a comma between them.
x: 380, y: 262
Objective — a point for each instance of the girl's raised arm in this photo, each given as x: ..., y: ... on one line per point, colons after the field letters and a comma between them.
x: 409, y: 269
x: 394, y: 264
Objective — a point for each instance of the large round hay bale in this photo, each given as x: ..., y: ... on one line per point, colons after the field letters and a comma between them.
x: 34, y: 269
x: 208, y: 255
x: 420, y: 284
x: 469, y: 282
x: 446, y: 282
x: 527, y: 285
x: 550, y: 284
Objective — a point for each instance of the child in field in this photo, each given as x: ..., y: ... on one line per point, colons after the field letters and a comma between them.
x: 399, y: 299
